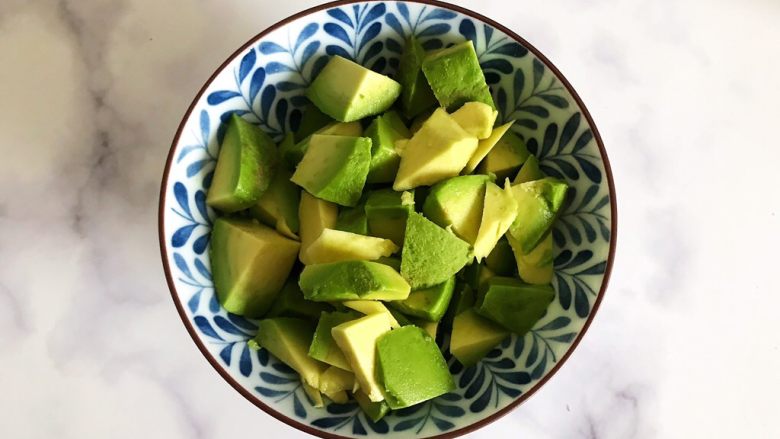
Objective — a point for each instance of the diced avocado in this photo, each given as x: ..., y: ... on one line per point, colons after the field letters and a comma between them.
x: 384, y: 159
x: 288, y: 339
x: 373, y: 410
x: 485, y: 146
x: 334, y: 168
x: 335, y: 379
x: 429, y: 327
x: 278, y: 207
x: 400, y: 317
x: 387, y: 212
x: 246, y: 164
x: 440, y: 149
x: 431, y: 255
x: 312, y: 120
x: 466, y: 299
x: 290, y: 303
x: 529, y: 172
x: 535, y: 267
x: 476, y: 275
x: 501, y: 259
x: 353, y: 219
x: 411, y: 367
x: 473, y: 336
x: 292, y: 152
x: 340, y: 397
x: 323, y: 347
x: 367, y: 307
x: 476, y: 118
x: 498, y: 214
x: 352, y: 280
x: 416, y: 94
x: 515, y: 305
x: 335, y: 245
x: 347, y: 91
x: 357, y: 340
x: 397, y: 124
x: 391, y: 262
x: 315, y: 215
x: 538, y: 204
x: 315, y: 397
x: 458, y: 202
x: 249, y: 263
x: 429, y: 303
x: 456, y: 77
x: 506, y: 157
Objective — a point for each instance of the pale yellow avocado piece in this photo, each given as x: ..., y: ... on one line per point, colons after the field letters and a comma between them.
x: 537, y: 266
x: 498, y: 213
x: 430, y: 328
x: 313, y: 393
x: 476, y: 118
x: 357, y: 339
x: 336, y: 380
x: 485, y: 146
x: 473, y: 336
x: 339, y: 397
x: 315, y: 215
x: 440, y: 149
x: 400, y: 146
x: 369, y: 307
x: 336, y: 245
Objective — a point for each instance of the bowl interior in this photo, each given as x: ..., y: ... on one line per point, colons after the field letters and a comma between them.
x: 264, y: 83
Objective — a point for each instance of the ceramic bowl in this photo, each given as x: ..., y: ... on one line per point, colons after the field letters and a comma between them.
x: 264, y: 82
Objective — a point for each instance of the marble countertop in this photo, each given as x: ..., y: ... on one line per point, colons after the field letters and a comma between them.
x: 685, y: 93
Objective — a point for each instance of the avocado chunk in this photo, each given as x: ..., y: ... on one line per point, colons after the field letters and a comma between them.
x: 498, y: 215
x: 506, y: 157
x: 339, y: 397
x: 335, y: 246
x: 439, y: 150
x: 367, y: 307
x: 246, y: 164
x: 538, y: 204
x: 335, y: 380
x: 485, y: 146
x: 357, y: 339
x: 373, y: 410
x: 529, y: 172
x: 515, y: 305
x: 457, y: 203
x: 314, y: 395
x: 476, y: 275
x: 347, y: 91
x: 323, y: 347
x: 278, y: 207
x: 352, y: 280
x: 456, y: 77
x: 473, y: 336
x: 429, y: 327
x: 418, y: 121
x: 315, y: 215
x: 535, y: 267
x: 288, y: 339
x: 431, y: 255
x: 428, y: 304
x: 391, y: 262
x: 476, y: 118
x: 384, y: 158
x: 291, y: 303
x: 501, y: 259
x: 312, y: 120
x: 412, y: 367
x: 397, y: 124
x: 292, y: 152
x: 334, y: 168
x: 416, y: 94
x: 353, y: 220
x: 249, y: 263
x: 387, y: 211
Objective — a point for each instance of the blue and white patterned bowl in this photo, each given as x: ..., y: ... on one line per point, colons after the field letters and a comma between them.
x: 264, y: 81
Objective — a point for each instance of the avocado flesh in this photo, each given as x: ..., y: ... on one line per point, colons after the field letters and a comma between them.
x: 458, y: 202
x: 498, y: 215
x: 476, y: 118
x: 335, y: 380
x: 291, y: 303
x: 416, y: 94
x: 473, y: 336
x: 456, y: 77
x: 412, y: 367
x: 278, y: 207
x: 288, y: 339
x: 315, y: 215
x: 246, y: 164
x: 335, y: 245
x: 535, y: 267
x: 538, y: 204
x: 314, y: 395
x: 386, y: 211
x: 368, y: 307
x: 428, y: 304
x: 515, y: 305
x: 501, y: 259
x: 431, y: 255
x: 347, y: 91
x: 485, y: 146
x: 353, y: 220
x: 384, y: 158
x: 397, y: 124
x: 312, y: 120
x: 529, y: 172
x: 250, y: 263
x: 506, y: 157
x: 352, y: 280
x: 291, y: 152
x: 373, y: 410
x: 323, y: 347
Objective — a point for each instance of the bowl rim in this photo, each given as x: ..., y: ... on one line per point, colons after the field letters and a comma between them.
x: 270, y: 410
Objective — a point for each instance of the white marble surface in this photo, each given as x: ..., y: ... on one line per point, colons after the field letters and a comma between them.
x: 685, y: 94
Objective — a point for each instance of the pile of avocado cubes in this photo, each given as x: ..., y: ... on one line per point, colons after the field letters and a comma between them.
x: 405, y: 223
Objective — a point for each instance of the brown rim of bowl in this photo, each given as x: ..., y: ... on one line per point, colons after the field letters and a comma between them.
x: 306, y: 428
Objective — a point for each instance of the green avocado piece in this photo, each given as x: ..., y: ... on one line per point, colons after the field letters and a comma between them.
x: 291, y: 303
x: 312, y: 120
x: 367, y: 307
x: 278, y: 207
x: 535, y: 267
x: 246, y: 164
x: 323, y: 347
x: 538, y: 204
x: 476, y: 118
x: 335, y: 246
x: 292, y: 152
x: 250, y: 263
x: 416, y: 94
x: 476, y: 275
x: 314, y: 215
x: 428, y: 304
x: 400, y: 317
x: 373, y: 410
x: 411, y: 367
x: 397, y: 124
x: 485, y: 146
x: 439, y: 150
x: 458, y: 202
x: 501, y: 259
x: 515, y: 305
x: 391, y: 262
x: 386, y: 211
x: 347, y: 91
x: 384, y: 158
x: 506, y: 157
x: 431, y: 255
x: 473, y: 336
x: 288, y: 339
x: 352, y: 280
x: 353, y: 219
x: 498, y: 214
x: 529, y: 172
x: 456, y: 77
x: 334, y: 168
